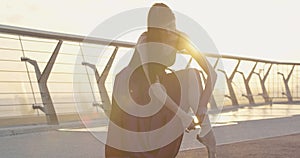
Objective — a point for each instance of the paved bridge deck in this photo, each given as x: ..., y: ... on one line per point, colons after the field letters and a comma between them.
x: 275, y: 147
x: 262, y: 131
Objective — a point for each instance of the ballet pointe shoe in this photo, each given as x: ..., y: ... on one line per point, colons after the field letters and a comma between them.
x: 209, y: 142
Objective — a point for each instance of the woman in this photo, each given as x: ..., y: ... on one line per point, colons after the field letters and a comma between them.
x: 155, y: 52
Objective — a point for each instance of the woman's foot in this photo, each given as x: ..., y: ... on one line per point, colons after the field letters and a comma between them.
x: 210, y: 143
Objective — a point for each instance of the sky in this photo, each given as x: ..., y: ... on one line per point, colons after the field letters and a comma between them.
x: 263, y: 29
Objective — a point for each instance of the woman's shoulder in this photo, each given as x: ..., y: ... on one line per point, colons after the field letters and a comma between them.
x: 143, y: 37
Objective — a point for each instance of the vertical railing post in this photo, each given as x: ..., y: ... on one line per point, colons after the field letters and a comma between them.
x: 232, y: 95
x: 101, y: 82
x: 264, y: 94
x: 106, y: 103
x: 286, y: 84
x: 42, y: 78
x: 216, y: 63
x: 249, y: 95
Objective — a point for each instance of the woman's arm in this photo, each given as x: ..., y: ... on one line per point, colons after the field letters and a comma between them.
x: 210, y: 81
x: 185, y: 43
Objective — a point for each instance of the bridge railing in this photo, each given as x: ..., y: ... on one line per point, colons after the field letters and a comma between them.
x: 37, y: 71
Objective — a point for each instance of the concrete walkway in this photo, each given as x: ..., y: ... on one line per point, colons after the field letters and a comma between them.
x: 250, y: 132
x: 276, y: 147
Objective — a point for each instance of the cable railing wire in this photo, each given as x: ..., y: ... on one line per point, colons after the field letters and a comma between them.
x: 274, y: 84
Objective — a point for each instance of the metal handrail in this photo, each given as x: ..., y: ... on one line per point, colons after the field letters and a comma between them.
x: 95, y: 40
x: 61, y: 36
x: 249, y: 59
